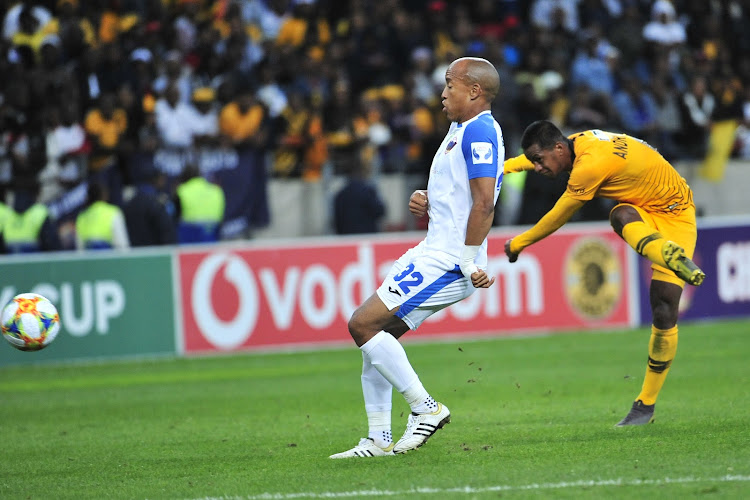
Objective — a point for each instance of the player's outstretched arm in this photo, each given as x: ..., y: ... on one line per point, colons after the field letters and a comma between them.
x: 418, y: 203
x: 517, y: 164
x: 548, y: 224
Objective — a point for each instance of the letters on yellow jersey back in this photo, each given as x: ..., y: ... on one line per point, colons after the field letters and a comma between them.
x: 620, y: 145
x: 619, y: 142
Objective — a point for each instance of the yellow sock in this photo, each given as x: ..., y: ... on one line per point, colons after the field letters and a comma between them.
x: 645, y: 240
x: 661, y: 350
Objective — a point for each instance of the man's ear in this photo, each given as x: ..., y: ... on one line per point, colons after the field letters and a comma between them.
x: 476, y: 91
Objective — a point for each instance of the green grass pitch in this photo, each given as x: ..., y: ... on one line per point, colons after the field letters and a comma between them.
x: 532, y: 418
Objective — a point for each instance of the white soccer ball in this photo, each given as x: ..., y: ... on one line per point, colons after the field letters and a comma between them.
x: 30, y: 322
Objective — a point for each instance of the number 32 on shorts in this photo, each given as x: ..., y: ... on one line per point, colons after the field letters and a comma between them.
x: 408, y: 278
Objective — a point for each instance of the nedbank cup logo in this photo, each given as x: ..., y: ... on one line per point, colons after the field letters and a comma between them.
x: 224, y: 334
x: 593, y: 278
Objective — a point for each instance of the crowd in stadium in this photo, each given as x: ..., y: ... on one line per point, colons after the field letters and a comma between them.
x: 112, y: 92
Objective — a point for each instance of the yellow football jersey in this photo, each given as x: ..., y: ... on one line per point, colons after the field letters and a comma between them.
x: 622, y: 168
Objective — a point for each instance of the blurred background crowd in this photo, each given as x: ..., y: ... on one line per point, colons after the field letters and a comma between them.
x: 144, y: 122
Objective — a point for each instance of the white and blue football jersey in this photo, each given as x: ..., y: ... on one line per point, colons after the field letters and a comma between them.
x: 474, y: 148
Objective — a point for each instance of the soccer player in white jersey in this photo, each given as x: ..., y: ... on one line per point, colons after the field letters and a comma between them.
x: 444, y: 268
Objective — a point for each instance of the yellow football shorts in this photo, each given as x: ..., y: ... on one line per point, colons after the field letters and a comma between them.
x: 680, y: 228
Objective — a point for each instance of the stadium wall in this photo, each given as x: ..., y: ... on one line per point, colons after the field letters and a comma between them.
x: 296, y: 294
x: 301, y: 208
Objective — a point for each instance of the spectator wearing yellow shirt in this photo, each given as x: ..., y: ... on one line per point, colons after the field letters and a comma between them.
x: 241, y: 121
x: 113, y: 22
x: 345, y: 127
x: 304, y: 29
x: 105, y: 127
x: 725, y: 119
x: 422, y: 135
x: 302, y: 148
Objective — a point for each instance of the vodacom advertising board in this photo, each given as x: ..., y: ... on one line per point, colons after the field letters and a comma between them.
x: 239, y: 298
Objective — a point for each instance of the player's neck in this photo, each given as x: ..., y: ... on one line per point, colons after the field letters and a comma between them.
x: 572, y: 151
x: 472, y: 115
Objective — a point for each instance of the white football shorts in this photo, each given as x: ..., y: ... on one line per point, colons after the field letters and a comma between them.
x: 423, y: 283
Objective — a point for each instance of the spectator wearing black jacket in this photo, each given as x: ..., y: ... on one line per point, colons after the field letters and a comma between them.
x: 358, y: 206
x: 147, y: 214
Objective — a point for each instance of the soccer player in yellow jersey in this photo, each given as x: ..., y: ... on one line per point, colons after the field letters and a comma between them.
x: 655, y: 215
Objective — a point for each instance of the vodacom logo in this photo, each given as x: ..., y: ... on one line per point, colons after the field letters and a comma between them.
x: 232, y: 333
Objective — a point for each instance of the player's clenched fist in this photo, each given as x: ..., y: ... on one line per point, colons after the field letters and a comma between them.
x: 512, y: 256
x: 418, y: 203
x: 480, y: 279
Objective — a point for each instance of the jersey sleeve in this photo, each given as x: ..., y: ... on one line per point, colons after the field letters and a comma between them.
x: 548, y: 224
x: 587, y: 176
x: 518, y: 164
x: 480, y: 148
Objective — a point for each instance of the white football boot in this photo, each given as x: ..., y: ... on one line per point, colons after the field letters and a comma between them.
x: 419, y: 428
x: 365, y: 449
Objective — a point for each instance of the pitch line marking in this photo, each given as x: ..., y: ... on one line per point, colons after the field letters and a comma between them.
x: 469, y: 490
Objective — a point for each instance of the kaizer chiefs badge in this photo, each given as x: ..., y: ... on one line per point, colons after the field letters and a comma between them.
x: 593, y: 278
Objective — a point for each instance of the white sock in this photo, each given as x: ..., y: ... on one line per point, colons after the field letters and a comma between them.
x: 387, y: 355
x: 382, y: 438
x: 419, y: 399
x: 377, y: 392
x: 389, y: 358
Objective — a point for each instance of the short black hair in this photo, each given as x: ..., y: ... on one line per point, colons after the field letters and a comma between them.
x: 190, y: 171
x: 543, y: 133
x: 95, y: 192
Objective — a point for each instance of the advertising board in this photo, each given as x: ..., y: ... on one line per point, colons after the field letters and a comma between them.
x: 110, y: 305
x: 723, y: 252
x: 250, y: 297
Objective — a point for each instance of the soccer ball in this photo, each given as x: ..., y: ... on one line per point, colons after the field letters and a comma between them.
x: 30, y: 322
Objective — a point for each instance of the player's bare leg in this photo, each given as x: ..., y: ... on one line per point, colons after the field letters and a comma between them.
x: 373, y: 317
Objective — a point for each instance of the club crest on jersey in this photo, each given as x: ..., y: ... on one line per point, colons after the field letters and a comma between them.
x: 481, y: 152
x: 450, y: 146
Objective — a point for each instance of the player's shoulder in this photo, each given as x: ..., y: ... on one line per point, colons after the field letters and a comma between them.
x: 484, y: 125
x: 482, y: 120
x: 589, y: 136
x: 592, y: 141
